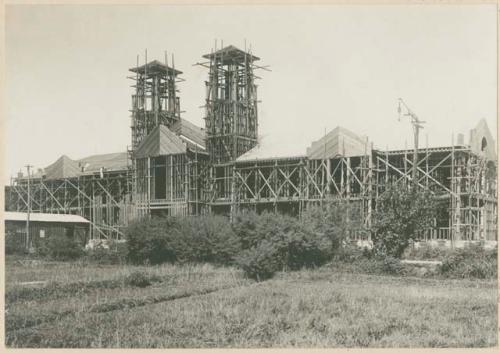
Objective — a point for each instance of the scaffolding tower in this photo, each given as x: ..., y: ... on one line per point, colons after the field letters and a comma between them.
x: 155, y: 101
x: 231, y: 104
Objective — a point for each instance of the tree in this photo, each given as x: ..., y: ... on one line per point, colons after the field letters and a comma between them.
x: 402, y: 211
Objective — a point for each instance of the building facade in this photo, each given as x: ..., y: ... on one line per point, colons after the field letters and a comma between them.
x: 173, y: 167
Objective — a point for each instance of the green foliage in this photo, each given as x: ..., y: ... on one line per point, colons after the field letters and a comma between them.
x: 152, y: 240
x: 60, y: 247
x: 280, y: 242
x: 245, y: 226
x: 115, y: 253
x: 470, y: 262
x: 306, y: 248
x: 401, y: 212
x: 140, y: 279
x: 207, y: 239
x: 14, y: 243
x: 426, y: 252
x: 392, y: 266
x: 259, y: 262
x: 351, y: 253
x: 330, y: 220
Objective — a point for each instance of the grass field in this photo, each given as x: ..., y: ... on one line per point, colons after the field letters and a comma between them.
x: 71, y: 305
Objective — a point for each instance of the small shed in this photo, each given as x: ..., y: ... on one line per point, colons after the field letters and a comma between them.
x: 43, y: 226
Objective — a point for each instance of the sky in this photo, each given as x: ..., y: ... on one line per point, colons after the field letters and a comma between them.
x: 67, y: 92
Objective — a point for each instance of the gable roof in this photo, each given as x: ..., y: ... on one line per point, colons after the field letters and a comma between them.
x: 64, y: 167
x: 268, y: 148
x: 160, y: 141
x: 108, y: 161
x: 193, y: 135
x: 338, y: 142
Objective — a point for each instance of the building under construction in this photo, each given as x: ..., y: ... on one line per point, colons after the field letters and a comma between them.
x: 173, y: 167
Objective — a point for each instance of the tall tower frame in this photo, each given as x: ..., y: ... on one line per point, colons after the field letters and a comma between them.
x: 155, y: 101
x: 231, y: 119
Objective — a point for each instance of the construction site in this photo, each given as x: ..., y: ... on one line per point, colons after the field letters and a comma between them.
x: 173, y: 167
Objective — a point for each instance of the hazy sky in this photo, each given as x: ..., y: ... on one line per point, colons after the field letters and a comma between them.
x: 66, y: 67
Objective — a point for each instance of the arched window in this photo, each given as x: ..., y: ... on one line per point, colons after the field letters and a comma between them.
x: 484, y: 144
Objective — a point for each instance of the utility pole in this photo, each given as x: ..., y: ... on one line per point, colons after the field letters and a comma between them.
x: 28, y: 167
x: 417, y: 125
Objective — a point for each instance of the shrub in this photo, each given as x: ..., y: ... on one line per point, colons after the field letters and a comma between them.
x: 426, y: 252
x: 207, y: 239
x: 392, y: 266
x: 331, y: 220
x: 152, y: 240
x: 260, y: 262
x: 115, y: 254
x: 283, y: 243
x: 60, y: 247
x: 471, y: 262
x: 140, y: 279
x: 305, y: 248
x: 245, y: 226
x: 352, y: 253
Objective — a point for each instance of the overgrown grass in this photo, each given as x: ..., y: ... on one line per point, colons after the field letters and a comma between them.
x: 205, y: 306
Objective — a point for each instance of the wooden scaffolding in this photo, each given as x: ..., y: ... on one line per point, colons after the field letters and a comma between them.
x: 104, y: 199
x: 191, y: 171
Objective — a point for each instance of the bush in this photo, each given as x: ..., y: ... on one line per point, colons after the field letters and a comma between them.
x: 260, y: 262
x: 245, y: 226
x: 115, y: 254
x: 152, y: 240
x: 352, y: 253
x: 140, y: 279
x: 330, y: 220
x: 392, y: 266
x: 207, y: 239
x: 60, y: 247
x: 305, y: 248
x: 426, y: 252
x: 282, y: 243
x: 471, y: 262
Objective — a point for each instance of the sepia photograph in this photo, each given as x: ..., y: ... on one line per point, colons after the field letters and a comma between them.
x: 250, y: 176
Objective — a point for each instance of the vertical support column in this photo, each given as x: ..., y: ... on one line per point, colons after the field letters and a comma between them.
x: 186, y: 186
x: 148, y: 196
x: 370, y: 189
x: 171, y: 178
x: 426, y: 161
x: 328, y: 177
x: 233, y: 192
x: 458, y: 204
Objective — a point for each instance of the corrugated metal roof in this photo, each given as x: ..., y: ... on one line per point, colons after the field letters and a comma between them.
x: 161, y: 141
x: 44, y: 217
x: 269, y: 149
